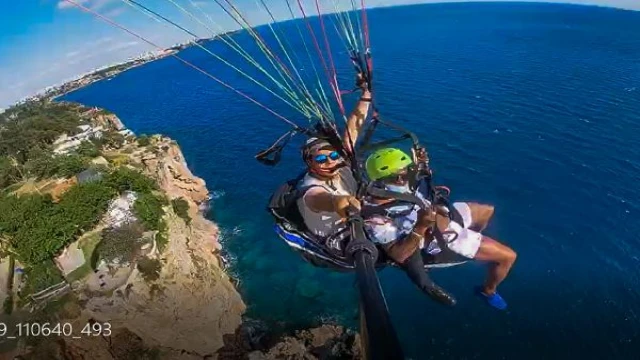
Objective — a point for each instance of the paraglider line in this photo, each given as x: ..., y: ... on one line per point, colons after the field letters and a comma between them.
x: 111, y: 22
x: 331, y: 62
x: 259, y: 38
x: 365, y: 30
x: 297, y: 107
x: 317, y: 46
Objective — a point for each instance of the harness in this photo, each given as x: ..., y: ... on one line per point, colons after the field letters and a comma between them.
x: 438, y: 198
x: 284, y: 207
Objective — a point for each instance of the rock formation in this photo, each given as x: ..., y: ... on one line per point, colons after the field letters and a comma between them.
x: 193, y: 303
x: 192, y: 311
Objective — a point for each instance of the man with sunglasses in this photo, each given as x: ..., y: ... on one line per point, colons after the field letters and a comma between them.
x: 402, y: 227
x: 329, y: 188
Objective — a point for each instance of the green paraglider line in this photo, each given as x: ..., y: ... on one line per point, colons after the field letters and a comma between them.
x: 111, y: 22
x: 278, y: 65
x: 229, y: 41
x: 321, y: 93
x: 146, y: 9
x: 288, y: 90
x: 309, y: 96
x: 334, y: 77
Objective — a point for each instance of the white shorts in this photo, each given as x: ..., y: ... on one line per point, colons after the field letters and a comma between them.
x: 468, y: 241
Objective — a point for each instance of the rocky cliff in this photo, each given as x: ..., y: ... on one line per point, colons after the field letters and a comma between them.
x: 193, y: 303
x: 192, y: 311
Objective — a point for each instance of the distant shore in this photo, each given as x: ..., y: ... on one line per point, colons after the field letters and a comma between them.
x: 105, y: 74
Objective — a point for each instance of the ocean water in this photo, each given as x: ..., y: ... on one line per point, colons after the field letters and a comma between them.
x: 534, y: 108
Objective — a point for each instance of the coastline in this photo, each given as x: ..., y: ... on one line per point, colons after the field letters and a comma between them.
x: 192, y: 309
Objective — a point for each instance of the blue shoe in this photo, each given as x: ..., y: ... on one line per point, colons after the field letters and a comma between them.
x: 494, y: 300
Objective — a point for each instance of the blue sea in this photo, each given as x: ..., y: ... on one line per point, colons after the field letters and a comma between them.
x: 534, y: 108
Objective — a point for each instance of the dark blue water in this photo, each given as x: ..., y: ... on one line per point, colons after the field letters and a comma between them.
x: 534, y: 108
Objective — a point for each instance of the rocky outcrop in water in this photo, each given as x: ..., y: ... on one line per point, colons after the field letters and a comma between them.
x: 252, y: 341
x: 322, y: 343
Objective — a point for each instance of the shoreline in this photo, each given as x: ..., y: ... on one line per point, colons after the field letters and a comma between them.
x: 193, y: 309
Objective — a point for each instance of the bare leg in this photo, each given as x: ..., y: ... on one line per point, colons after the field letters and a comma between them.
x: 481, y: 214
x: 501, y: 257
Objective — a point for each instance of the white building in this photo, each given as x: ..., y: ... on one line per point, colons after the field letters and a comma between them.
x: 126, y: 132
x: 120, y: 210
x: 66, y: 143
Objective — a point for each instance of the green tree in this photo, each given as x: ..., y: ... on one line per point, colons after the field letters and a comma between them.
x: 7, y: 306
x: 125, y: 179
x: 70, y: 165
x: 88, y: 149
x: 38, y: 228
x: 34, y: 125
x: 149, y: 268
x: 41, y: 276
x: 143, y: 140
x: 113, y: 139
x: 181, y: 208
x: 84, y: 204
x: 148, y: 209
x: 28, y: 222
x: 122, y: 244
x: 41, y: 164
x: 9, y: 174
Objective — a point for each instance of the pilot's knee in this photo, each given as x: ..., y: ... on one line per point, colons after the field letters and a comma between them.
x: 510, y: 255
x: 490, y: 209
x: 485, y: 212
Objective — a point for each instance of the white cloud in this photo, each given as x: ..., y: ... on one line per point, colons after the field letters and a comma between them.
x: 99, y: 4
x: 122, y: 45
x: 71, y: 54
x: 94, y: 5
x: 103, y: 40
x: 114, y: 12
x: 81, y: 58
x: 62, y: 4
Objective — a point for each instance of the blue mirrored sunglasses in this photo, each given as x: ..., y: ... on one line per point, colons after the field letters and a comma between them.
x: 322, y: 158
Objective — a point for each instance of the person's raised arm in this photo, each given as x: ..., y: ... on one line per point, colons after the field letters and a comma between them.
x: 358, y: 115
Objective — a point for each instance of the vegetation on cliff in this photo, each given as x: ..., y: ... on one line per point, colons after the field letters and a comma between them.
x: 28, y: 133
x: 181, y: 208
x: 73, y: 212
x: 36, y: 226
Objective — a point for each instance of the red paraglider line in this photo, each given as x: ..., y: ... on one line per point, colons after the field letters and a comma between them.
x: 317, y: 46
x: 334, y: 76
x: 365, y: 30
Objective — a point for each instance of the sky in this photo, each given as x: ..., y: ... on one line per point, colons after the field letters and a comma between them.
x: 48, y: 42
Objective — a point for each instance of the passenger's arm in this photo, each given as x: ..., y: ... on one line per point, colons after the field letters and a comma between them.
x: 400, y: 250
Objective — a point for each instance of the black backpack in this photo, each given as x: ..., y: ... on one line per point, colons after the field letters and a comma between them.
x: 283, y: 203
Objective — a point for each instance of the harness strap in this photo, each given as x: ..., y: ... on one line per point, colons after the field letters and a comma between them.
x: 383, y: 193
x: 439, y: 236
x: 272, y: 155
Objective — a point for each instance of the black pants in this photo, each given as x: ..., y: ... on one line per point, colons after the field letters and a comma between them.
x: 414, y: 267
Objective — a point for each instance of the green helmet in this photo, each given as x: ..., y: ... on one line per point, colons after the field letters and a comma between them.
x: 386, y: 162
